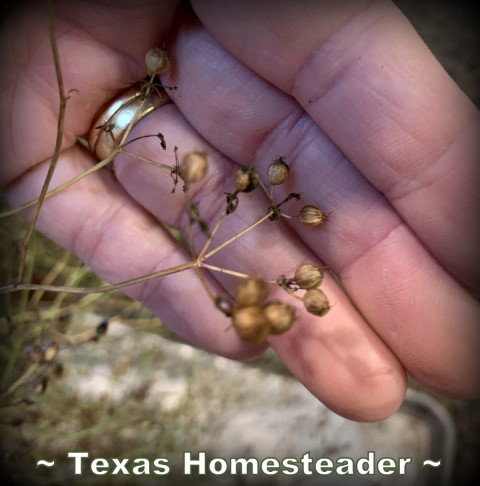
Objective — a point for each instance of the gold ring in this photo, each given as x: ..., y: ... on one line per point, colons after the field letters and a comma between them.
x: 130, y: 107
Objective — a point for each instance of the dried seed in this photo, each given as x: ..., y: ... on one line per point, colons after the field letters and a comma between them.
x: 251, y: 323
x: 316, y: 302
x: 278, y: 171
x: 193, y: 168
x: 156, y: 60
x: 308, y: 276
x: 311, y: 215
x: 246, y: 179
x: 251, y: 291
x: 280, y: 315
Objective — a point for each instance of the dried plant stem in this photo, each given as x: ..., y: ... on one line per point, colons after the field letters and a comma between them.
x: 231, y: 272
x: 212, y: 235
x: 29, y: 372
x: 146, y: 160
x: 104, y: 288
x: 238, y: 235
x: 54, y: 272
x: 135, y: 117
x: 223, y: 270
x: 63, y: 186
x: 58, y: 142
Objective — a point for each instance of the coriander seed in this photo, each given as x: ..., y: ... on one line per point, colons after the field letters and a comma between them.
x: 280, y: 315
x: 251, y: 323
x: 316, y: 302
x: 251, y: 291
x: 311, y: 215
x: 278, y: 171
x: 156, y: 60
x: 308, y: 276
x: 193, y: 168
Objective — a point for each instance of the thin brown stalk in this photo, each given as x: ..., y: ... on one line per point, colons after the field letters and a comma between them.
x: 95, y: 290
x: 146, y: 160
x: 58, y: 141
x: 235, y: 237
x: 62, y: 187
x: 212, y: 235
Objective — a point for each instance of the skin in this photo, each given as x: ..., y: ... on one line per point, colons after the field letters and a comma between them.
x: 372, y: 127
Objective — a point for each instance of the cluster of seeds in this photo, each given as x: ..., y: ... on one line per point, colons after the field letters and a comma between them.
x: 253, y: 317
x: 308, y: 277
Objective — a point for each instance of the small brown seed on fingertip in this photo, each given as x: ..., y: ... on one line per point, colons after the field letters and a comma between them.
x: 251, y: 291
x: 251, y: 323
x: 193, y: 168
x: 311, y: 215
x: 316, y: 302
x: 308, y: 276
x: 280, y: 315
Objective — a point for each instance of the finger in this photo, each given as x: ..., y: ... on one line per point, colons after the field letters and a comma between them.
x: 332, y: 355
x: 367, y: 79
x: 97, y: 220
x: 424, y: 316
x: 102, y: 50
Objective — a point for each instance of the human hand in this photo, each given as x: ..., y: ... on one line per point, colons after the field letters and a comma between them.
x: 372, y: 126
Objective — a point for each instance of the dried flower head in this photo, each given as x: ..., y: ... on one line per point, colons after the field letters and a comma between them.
x: 311, y: 215
x: 251, y: 291
x: 246, y: 179
x: 278, y: 171
x: 251, y: 323
x: 280, y: 315
x: 308, y: 276
x: 193, y: 168
x: 157, y: 61
x: 316, y: 302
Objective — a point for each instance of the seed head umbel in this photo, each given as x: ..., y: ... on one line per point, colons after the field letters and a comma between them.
x: 278, y: 171
x: 311, y: 215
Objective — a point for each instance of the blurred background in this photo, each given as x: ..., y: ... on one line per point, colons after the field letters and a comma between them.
x: 126, y: 387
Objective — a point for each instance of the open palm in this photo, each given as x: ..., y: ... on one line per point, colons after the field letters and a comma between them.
x: 373, y: 129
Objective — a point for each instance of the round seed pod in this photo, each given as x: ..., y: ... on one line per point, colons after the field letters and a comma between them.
x: 251, y: 323
x: 251, y: 291
x: 193, y: 168
x: 316, y: 302
x: 308, y: 276
x: 311, y: 215
x: 246, y: 179
x: 280, y: 315
x: 278, y: 171
x: 156, y: 60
